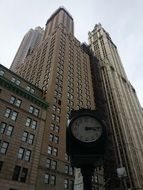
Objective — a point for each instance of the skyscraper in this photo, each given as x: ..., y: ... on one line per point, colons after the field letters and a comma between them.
x: 30, y: 41
x: 61, y: 67
x: 124, y: 113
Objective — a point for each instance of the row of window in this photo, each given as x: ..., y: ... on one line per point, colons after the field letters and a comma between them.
x: 23, y: 154
x: 51, y: 179
x: 12, y: 114
x: 8, y: 130
x: 17, y: 102
x: 17, y: 82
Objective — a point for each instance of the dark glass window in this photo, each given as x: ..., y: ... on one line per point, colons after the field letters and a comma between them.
x: 23, y: 175
x: 16, y: 173
x: 1, y: 164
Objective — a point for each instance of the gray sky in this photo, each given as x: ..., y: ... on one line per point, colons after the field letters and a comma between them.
x: 122, y: 19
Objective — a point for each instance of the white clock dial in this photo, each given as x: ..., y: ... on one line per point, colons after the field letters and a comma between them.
x: 86, y: 129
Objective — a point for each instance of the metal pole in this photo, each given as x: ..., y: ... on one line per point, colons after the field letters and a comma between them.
x: 87, y: 173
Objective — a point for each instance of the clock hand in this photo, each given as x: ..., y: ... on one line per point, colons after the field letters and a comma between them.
x: 91, y: 128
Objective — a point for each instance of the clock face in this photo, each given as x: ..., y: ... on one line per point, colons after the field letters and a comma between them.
x: 86, y: 129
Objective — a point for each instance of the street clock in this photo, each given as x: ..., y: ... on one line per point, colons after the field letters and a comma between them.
x: 86, y: 128
x: 85, y: 138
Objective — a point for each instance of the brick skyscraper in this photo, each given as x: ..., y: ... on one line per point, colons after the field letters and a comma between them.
x: 60, y: 67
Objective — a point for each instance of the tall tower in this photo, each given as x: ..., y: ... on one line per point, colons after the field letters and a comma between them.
x: 61, y: 67
x: 125, y: 115
x: 30, y: 41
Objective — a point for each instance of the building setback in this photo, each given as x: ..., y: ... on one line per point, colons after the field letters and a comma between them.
x: 22, y: 121
x: 124, y: 112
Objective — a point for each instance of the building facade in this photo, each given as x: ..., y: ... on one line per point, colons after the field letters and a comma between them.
x: 30, y: 41
x: 22, y: 121
x: 124, y: 169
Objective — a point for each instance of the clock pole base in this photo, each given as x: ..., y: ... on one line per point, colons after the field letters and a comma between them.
x: 87, y: 173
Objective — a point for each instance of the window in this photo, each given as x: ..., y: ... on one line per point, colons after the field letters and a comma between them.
x: 52, y: 151
x: 27, y: 155
x: 20, y: 153
x: 58, y: 119
x: 55, y: 151
x: 28, y: 137
x: 28, y: 122
x: 23, y: 175
x: 53, y: 180
x: 36, y: 111
x: 51, y: 164
x: 54, y: 165
x: 66, y: 183
x: 9, y: 130
x: 20, y: 174
x: 48, y: 163
x: 2, y: 127
x: 56, y: 139
x: 33, y: 110
x: 24, y: 154
x: 3, y: 147
x: 50, y: 179
x: 53, y: 117
x: 1, y: 72
x: 16, y: 81
x: 66, y: 169
x: 16, y: 173
x: 71, y: 171
x: 49, y: 150
x: 30, y: 89
x: 46, y: 178
x: 55, y: 128
x: 11, y: 114
x: 31, y: 123
x: 25, y: 136
x: 7, y: 112
x: 34, y: 124
x: 52, y: 126
x: 1, y: 164
x: 15, y: 101
x: 14, y: 115
x: 51, y: 136
x: 58, y: 110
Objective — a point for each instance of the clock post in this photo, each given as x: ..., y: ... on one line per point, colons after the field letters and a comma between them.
x: 86, y: 142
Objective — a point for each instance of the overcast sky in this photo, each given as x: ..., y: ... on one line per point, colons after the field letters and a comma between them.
x: 122, y: 19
